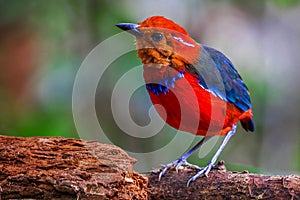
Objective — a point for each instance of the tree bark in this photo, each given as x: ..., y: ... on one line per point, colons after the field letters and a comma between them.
x: 223, y: 184
x: 60, y: 168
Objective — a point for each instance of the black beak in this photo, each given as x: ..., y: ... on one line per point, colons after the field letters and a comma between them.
x: 131, y: 28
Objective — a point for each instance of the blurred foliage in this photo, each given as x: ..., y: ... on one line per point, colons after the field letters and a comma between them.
x: 286, y: 3
x: 65, y: 31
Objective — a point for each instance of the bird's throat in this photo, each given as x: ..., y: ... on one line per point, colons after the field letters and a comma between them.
x: 151, y: 55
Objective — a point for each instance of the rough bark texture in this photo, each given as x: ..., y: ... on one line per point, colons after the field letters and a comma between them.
x: 222, y: 184
x: 60, y: 168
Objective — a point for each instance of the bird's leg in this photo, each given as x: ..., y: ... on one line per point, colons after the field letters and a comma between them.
x: 182, y: 160
x: 208, y: 167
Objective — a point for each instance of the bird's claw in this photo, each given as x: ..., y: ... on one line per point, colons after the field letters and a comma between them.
x: 203, y: 171
x: 177, y: 164
x: 182, y: 162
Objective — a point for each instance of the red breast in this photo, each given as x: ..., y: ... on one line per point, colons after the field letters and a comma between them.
x: 189, y: 107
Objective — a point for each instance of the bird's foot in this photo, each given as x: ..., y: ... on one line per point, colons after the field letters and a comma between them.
x: 202, y: 171
x: 177, y: 163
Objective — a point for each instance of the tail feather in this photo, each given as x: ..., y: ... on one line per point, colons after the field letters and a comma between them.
x: 248, y: 125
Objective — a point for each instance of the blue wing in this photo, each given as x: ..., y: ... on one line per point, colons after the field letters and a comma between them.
x: 217, y: 74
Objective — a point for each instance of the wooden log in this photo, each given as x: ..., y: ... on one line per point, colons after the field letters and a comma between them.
x: 60, y: 168
x: 223, y: 184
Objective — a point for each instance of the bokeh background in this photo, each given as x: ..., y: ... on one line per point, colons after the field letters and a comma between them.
x: 43, y: 43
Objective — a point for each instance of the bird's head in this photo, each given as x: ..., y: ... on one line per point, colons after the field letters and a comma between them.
x: 163, y: 42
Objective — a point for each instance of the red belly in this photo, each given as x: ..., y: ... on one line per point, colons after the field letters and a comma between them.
x: 188, y: 107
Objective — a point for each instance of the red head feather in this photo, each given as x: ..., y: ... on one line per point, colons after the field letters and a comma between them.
x: 180, y: 44
x: 162, y: 22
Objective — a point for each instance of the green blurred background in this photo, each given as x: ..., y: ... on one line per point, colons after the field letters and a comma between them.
x: 43, y: 43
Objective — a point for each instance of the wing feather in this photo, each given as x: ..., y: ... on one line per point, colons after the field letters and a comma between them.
x: 217, y: 74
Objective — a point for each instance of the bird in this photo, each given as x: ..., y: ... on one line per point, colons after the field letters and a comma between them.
x: 195, y: 88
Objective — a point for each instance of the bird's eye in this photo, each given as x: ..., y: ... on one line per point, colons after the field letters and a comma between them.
x: 156, y: 37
